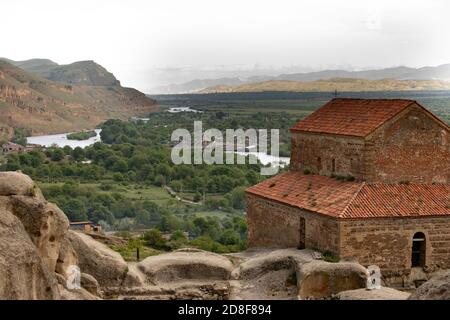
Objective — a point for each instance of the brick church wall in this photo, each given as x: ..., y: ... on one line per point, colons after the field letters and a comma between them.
x: 272, y: 224
x: 387, y: 242
x: 412, y: 147
x: 317, y: 152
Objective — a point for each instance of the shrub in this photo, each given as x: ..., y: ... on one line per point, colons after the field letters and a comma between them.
x: 329, y: 256
x: 197, y: 197
x: 154, y: 239
x: 84, y: 135
x: 123, y: 234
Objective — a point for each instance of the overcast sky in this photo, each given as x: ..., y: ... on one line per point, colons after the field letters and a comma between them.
x: 150, y: 43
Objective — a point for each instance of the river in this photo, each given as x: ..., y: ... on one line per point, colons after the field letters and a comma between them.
x: 183, y: 109
x: 61, y: 140
x: 265, y: 158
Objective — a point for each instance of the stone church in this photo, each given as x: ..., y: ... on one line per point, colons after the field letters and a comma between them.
x: 369, y: 180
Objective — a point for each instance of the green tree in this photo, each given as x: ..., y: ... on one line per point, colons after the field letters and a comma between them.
x: 170, y: 222
x: 178, y: 235
x: 154, y: 239
x: 78, y: 154
x: 229, y: 237
x: 75, y: 210
x: 120, y: 166
x: 57, y: 154
x: 160, y: 180
x: 197, y: 197
x: 236, y: 197
x: 118, y: 177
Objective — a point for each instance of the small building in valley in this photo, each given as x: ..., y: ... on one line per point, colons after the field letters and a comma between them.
x: 85, y: 226
x: 11, y: 147
x: 369, y: 181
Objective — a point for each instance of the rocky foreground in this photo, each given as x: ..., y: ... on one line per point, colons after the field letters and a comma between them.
x: 37, y: 250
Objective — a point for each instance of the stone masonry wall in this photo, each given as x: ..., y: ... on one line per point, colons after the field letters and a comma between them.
x: 317, y: 151
x: 387, y: 242
x: 272, y: 224
x: 412, y: 147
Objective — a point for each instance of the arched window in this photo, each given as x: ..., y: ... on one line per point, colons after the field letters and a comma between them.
x: 319, y: 164
x: 333, y: 165
x: 418, y: 253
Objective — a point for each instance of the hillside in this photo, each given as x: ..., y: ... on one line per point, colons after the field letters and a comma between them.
x: 86, y: 73
x: 33, y: 65
x: 340, y: 84
x: 441, y: 72
x: 44, y: 106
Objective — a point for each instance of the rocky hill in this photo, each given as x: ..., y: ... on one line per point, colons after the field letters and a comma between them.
x: 340, y: 84
x: 80, y: 96
x: 36, y: 66
x: 87, y: 73
x: 38, y: 254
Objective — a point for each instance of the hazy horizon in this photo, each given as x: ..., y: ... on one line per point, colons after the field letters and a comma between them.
x: 148, y: 44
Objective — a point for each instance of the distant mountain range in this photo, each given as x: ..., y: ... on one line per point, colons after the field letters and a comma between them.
x: 441, y: 73
x: 339, y: 84
x: 45, y: 97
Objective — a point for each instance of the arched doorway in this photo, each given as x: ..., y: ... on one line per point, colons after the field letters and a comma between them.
x: 418, y: 250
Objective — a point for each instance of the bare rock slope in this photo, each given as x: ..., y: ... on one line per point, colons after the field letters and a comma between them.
x: 252, y: 274
x: 187, y: 265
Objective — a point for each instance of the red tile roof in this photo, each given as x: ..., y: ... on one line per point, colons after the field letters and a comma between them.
x: 347, y: 200
x: 397, y: 200
x: 353, y: 117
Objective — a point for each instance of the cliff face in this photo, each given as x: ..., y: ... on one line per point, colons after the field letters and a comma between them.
x: 82, y: 96
x: 31, y: 231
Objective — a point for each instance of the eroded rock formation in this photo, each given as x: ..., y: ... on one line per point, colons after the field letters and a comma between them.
x: 36, y: 247
x: 437, y: 288
x: 30, y: 233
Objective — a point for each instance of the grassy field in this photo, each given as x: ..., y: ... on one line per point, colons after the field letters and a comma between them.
x: 296, y: 103
x: 128, y: 251
x: 132, y: 191
x: 158, y: 195
x: 211, y: 213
